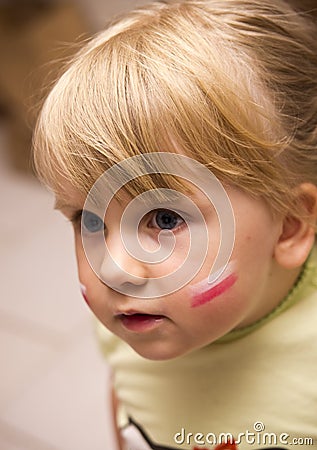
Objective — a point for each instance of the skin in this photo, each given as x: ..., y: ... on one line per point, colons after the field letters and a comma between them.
x: 206, y: 292
x: 268, y: 254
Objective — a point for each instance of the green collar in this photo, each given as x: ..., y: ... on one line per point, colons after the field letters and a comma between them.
x: 307, y: 278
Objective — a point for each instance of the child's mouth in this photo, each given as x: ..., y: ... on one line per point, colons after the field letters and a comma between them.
x: 139, y: 322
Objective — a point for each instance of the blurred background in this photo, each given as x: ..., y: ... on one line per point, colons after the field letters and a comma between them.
x: 53, y: 381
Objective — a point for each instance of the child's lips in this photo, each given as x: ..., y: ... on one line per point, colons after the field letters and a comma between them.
x: 140, y: 322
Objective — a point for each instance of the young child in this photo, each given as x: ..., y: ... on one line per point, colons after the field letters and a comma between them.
x: 194, y: 123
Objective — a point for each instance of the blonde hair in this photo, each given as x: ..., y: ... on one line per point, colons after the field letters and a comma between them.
x: 231, y: 83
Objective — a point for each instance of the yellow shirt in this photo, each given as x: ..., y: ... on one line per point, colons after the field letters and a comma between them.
x: 258, y: 384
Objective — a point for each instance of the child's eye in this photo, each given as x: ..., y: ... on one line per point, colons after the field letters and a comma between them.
x: 91, y: 222
x: 165, y: 219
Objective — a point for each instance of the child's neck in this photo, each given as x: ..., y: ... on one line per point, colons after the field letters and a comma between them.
x: 281, y: 283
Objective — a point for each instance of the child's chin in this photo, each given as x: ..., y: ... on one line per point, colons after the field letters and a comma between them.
x: 159, y: 351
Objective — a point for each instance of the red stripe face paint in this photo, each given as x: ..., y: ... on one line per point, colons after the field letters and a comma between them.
x: 205, y: 292
x: 83, y: 291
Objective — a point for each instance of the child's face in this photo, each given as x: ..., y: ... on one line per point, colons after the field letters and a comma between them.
x: 198, y: 313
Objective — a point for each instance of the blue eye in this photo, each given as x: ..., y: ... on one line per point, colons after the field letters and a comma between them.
x: 91, y: 222
x: 165, y: 219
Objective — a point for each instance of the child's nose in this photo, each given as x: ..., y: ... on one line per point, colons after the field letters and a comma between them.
x: 119, y: 268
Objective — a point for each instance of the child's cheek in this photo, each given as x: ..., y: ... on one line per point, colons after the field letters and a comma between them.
x: 204, y: 292
x: 206, y: 295
x: 83, y: 291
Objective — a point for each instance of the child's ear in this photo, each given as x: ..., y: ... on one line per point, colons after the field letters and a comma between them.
x: 298, y: 234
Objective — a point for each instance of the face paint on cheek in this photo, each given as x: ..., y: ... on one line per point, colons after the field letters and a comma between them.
x: 83, y: 291
x: 205, y: 292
